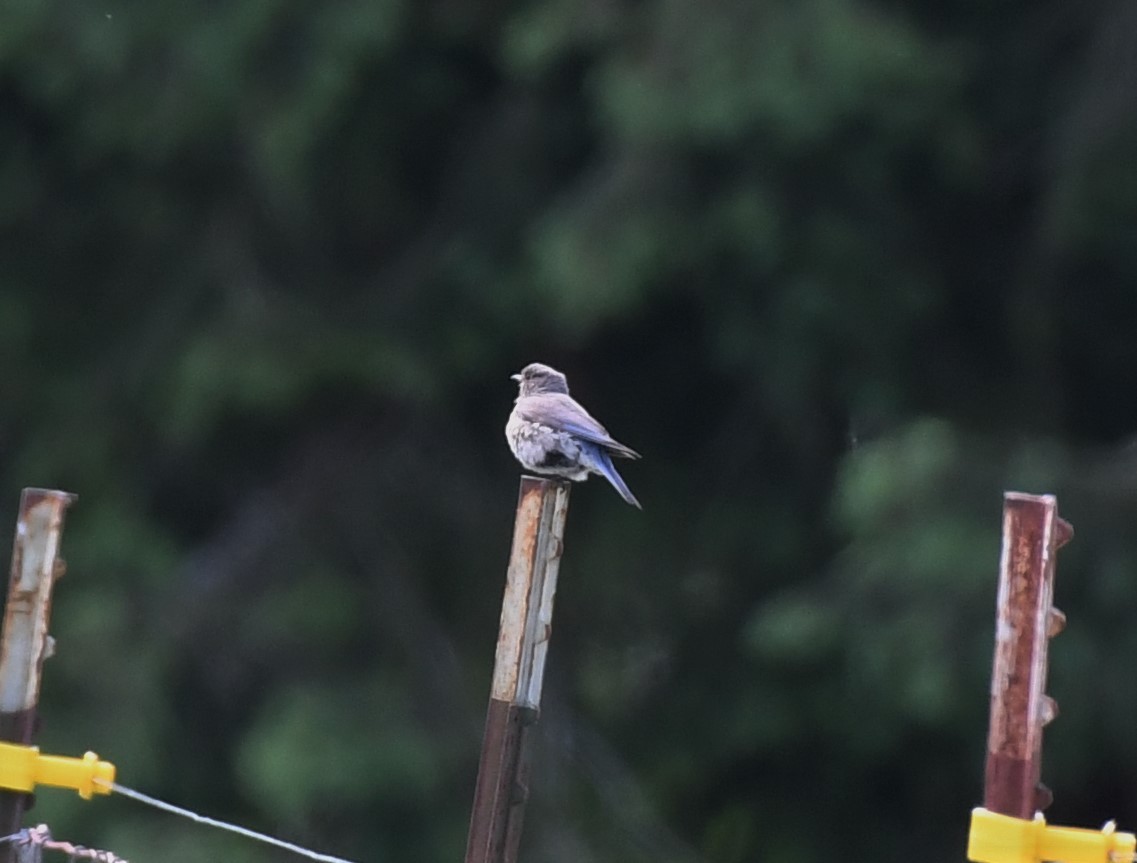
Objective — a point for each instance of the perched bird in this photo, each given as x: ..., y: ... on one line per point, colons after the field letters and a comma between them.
x: 550, y: 433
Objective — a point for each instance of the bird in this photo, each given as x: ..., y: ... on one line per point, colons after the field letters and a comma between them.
x: 550, y: 433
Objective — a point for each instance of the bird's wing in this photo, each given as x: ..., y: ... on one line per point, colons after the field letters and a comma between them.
x: 563, y: 413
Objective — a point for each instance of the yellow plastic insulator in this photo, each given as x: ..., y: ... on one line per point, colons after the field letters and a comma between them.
x: 22, y: 768
x: 998, y: 838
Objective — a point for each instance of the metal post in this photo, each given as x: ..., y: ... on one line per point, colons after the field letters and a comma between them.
x: 24, y: 642
x: 501, y: 791
x: 1032, y: 533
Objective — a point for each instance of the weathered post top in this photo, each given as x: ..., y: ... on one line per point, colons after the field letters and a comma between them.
x: 1026, y: 620
x: 24, y: 642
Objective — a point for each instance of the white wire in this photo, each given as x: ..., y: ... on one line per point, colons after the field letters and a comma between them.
x: 221, y: 825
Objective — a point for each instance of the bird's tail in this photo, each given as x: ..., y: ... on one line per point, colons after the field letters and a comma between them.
x: 604, y: 465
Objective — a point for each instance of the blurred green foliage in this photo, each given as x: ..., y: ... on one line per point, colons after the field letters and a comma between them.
x: 842, y: 271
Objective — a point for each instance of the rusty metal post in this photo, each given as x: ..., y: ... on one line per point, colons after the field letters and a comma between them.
x: 24, y: 643
x: 501, y: 791
x: 1032, y: 533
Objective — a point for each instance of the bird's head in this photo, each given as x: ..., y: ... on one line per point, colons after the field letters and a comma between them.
x: 539, y: 378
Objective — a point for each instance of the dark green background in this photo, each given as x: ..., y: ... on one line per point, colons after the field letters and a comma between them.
x: 843, y: 271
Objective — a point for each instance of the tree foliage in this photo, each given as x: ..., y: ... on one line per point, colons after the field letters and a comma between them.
x: 843, y: 271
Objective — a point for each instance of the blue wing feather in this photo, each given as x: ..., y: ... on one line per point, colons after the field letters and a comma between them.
x: 604, y: 464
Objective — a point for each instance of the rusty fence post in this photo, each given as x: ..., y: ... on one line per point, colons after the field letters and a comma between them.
x: 501, y: 791
x: 1026, y: 620
x: 24, y: 642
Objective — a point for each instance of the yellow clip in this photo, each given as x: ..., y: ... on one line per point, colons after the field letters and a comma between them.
x: 1001, y: 839
x: 22, y: 768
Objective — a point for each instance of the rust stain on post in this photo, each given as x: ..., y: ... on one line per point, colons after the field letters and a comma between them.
x: 25, y: 643
x: 1032, y: 533
x: 501, y: 791
x: 518, y: 579
x: 530, y: 587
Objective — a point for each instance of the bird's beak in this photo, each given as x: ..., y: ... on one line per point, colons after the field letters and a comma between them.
x: 516, y: 377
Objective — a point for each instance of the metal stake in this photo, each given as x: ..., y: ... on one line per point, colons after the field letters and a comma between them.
x: 1032, y: 533
x: 502, y: 790
x: 24, y: 643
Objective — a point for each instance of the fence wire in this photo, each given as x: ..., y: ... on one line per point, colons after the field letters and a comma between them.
x: 38, y: 839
